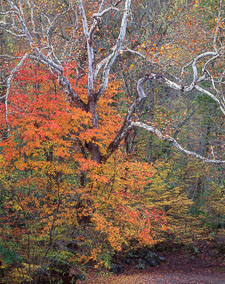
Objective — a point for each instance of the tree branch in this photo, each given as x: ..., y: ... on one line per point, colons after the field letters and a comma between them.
x: 116, y: 49
x: 217, y: 26
x: 55, y: 67
x: 173, y: 142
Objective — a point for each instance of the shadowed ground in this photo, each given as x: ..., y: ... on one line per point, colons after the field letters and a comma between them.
x: 207, y: 267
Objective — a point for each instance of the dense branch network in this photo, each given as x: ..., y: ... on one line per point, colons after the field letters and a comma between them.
x: 18, y: 25
x: 129, y: 124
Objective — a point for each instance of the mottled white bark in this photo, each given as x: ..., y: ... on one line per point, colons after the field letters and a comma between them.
x: 116, y: 49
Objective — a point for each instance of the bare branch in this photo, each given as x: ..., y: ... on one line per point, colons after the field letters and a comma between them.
x: 116, y: 50
x: 15, y: 69
x: 209, y: 94
x: 101, y: 64
x: 55, y: 67
x: 103, y: 3
x: 126, y: 127
x: 14, y: 34
x: 91, y: 57
x: 173, y: 85
x: 31, y: 15
x: 195, y: 70
x: 20, y: 25
x: 173, y: 142
x: 8, y: 12
x: 133, y: 52
x: 217, y: 27
x: 101, y: 6
x: 51, y: 24
x: 19, y: 14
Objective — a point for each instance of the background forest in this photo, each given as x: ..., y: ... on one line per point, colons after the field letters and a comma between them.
x: 112, y: 131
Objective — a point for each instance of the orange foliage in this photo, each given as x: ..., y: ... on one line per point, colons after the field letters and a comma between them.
x: 54, y: 191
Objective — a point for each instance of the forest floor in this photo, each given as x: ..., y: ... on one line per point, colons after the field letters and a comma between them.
x: 183, y: 267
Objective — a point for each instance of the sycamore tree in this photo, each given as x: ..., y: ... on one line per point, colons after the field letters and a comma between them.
x: 55, y: 33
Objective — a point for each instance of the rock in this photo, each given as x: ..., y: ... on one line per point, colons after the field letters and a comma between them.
x: 161, y: 258
x: 195, y: 250
x: 145, y: 252
x: 59, y: 273
x: 141, y: 264
x: 149, y: 254
x: 143, y: 258
x: 76, y: 277
x: 152, y: 262
x: 117, y: 268
x: 132, y: 254
x: 128, y: 261
x: 150, y: 257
